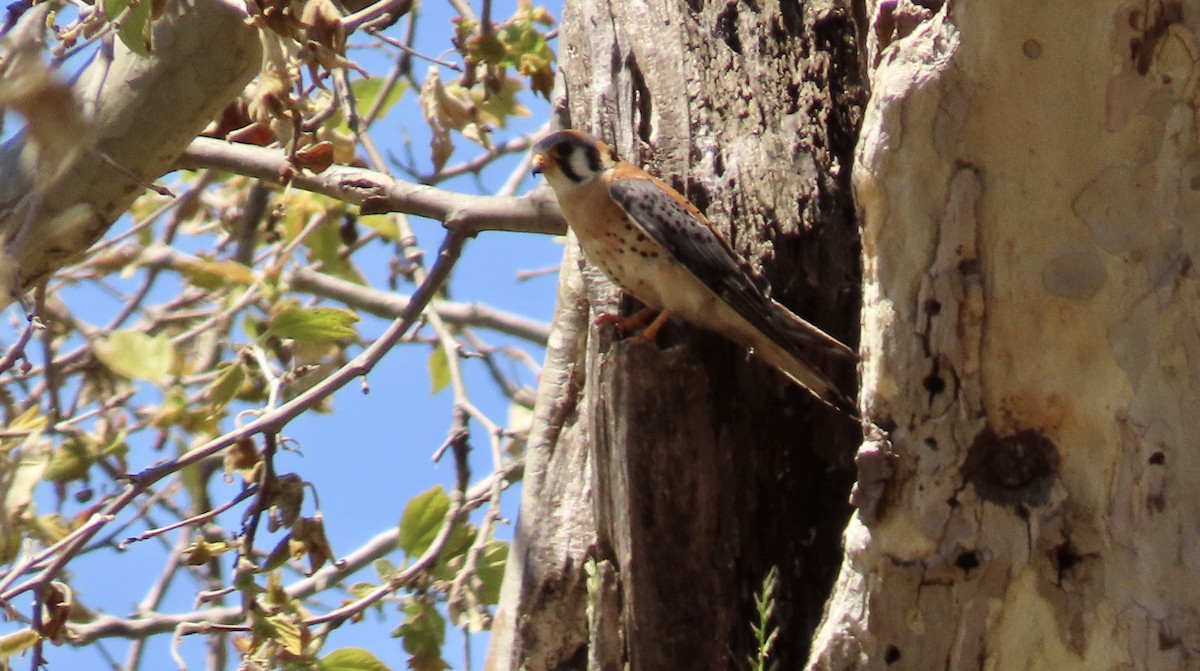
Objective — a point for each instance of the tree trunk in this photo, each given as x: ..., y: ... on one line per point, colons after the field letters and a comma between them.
x: 666, y: 480
x: 1028, y: 183
x: 140, y: 112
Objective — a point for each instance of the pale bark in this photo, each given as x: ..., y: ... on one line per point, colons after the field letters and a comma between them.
x: 703, y: 468
x: 542, y: 616
x: 1028, y: 182
x: 143, y: 112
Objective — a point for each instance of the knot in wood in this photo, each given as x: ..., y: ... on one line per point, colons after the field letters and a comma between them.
x: 1012, y: 470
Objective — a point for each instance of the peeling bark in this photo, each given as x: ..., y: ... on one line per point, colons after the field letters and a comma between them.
x: 1027, y: 185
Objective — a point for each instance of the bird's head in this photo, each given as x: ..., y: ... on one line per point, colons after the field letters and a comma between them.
x: 570, y: 158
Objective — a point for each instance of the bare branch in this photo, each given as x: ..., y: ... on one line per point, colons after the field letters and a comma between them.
x: 17, y: 350
x: 388, y: 304
x: 376, y: 11
x: 380, y: 303
x: 516, y: 145
x: 536, y: 212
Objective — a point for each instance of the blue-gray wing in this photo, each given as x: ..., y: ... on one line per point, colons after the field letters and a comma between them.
x: 695, y: 244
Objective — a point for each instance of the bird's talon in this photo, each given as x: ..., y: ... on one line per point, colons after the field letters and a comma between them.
x: 628, y: 324
x: 607, y: 319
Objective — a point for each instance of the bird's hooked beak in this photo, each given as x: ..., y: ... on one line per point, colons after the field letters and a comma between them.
x: 539, y: 162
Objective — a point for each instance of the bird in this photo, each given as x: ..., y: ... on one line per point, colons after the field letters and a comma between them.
x: 656, y: 245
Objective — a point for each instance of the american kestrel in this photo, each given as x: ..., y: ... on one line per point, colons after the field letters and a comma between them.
x: 654, y: 244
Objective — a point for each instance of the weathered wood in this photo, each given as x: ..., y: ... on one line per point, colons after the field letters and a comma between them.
x: 541, y: 620
x: 711, y: 468
x: 1027, y: 183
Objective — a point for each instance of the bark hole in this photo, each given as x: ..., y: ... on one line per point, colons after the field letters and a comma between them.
x: 934, y: 384
x: 1012, y: 470
x: 969, y: 268
x: 1065, y: 558
x: 891, y: 655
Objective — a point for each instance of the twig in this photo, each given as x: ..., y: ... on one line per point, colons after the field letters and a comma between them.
x: 385, y: 304
x: 485, y: 18
x: 195, y: 519
x: 266, y: 483
x: 409, y: 50
x: 17, y: 350
x: 51, y: 374
x: 526, y: 275
x: 388, y: 304
x: 476, y: 165
x: 464, y: 9
x: 370, y: 13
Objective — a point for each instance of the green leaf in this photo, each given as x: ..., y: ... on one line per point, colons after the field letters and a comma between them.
x: 17, y: 642
x: 422, y: 519
x: 351, y: 659
x: 325, y: 245
x: 361, y: 589
x: 498, y: 106
x: 439, y: 370
x: 423, y: 631
x: 490, y: 571
x: 279, y: 555
x: 112, y: 8
x: 313, y: 324
x: 366, y: 92
x: 286, y: 633
x: 206, y: 274
x: 33, y: 420
x: 384, y: 225
x: 70, y: 462
x: 134, y: 31
x: 29, y: 471
x: 225, y: 388
x: 385, y: 569
x: 136, y: 355
x: 454, y: 552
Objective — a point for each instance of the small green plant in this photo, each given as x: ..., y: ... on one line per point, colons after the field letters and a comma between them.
x: 764, y: 633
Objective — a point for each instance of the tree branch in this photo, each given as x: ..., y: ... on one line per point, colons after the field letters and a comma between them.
x: 536, y: 212
x: 141, y: 113
x: 388, y: 304
x: 385, y: 304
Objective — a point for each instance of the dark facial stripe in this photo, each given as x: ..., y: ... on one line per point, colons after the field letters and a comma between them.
x: 569, y: 171
x: 590, y: 154
x: 593, y: 157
